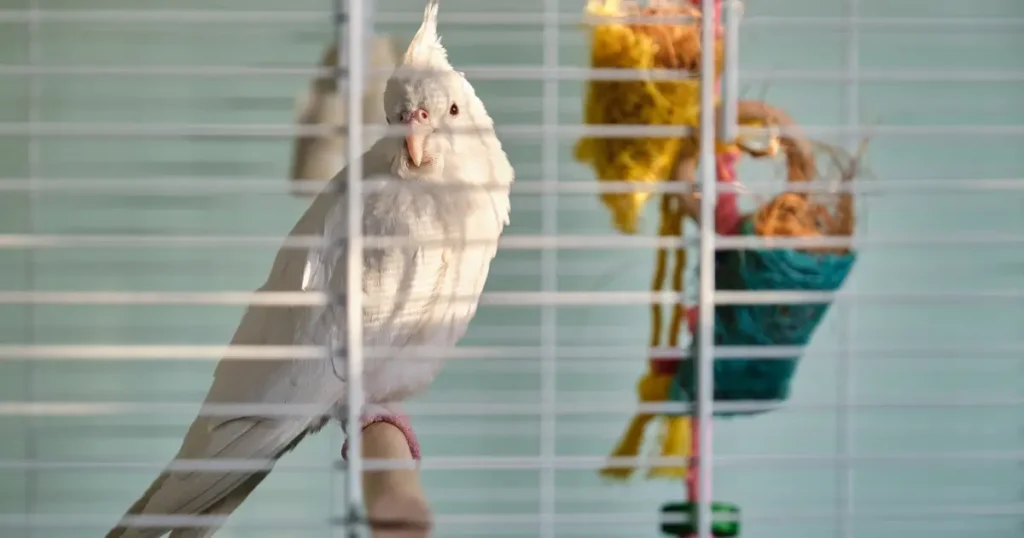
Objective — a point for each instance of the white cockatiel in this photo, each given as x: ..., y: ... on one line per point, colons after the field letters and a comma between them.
x: 448, y: 199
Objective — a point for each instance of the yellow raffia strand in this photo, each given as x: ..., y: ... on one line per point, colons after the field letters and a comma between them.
x: 675, y: 434
x: 633, y: 102
x: 675, y: 443
x: 655, y: 387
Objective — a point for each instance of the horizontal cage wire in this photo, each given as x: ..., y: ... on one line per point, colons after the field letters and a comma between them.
x: 155, y: 157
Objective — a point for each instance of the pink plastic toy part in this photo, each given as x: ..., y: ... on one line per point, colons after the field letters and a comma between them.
x: 399, y: 421
x: 727, y: 214
x: 727, y: 222
x: 727, y: 210
x: 691, y: 472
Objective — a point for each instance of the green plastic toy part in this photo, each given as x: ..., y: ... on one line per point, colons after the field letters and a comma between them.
x: 725, y: 520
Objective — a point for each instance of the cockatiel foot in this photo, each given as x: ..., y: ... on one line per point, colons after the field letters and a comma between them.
x: 398, y: 420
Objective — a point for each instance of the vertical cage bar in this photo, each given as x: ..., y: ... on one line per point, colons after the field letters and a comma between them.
x: 341, y: 50
x: 706, y: 300
x: 732, y: 11
x: 845, y: 369
x: 341, y: 18
x: 34, y: 162
x: 353, y: 294
x: 549, y: 268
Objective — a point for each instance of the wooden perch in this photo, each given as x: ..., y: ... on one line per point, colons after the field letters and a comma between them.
x: 395, y: 501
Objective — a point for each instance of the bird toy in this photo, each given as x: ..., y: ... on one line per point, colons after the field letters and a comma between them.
x: 754, y: 385
x: 617, y: 44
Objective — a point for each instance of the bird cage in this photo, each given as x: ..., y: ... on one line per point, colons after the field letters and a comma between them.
x: 150, y: 160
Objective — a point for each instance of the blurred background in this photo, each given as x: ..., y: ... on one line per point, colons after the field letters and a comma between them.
x: 152, y: 119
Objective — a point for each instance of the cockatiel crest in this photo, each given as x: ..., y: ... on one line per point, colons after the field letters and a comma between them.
x: 425, y: 49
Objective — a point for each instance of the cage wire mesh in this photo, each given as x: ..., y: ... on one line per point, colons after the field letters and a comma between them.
x: 144, y: 151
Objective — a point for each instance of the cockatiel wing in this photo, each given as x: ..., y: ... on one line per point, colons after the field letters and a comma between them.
x: 398, y: 286
x: 249, y: 435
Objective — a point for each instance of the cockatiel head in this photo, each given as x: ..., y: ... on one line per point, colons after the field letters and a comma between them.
x: 449, y: 134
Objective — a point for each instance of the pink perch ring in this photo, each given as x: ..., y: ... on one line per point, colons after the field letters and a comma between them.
x: 399, y: 421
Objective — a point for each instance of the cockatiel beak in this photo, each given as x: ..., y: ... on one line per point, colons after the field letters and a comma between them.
x: 417, y: 121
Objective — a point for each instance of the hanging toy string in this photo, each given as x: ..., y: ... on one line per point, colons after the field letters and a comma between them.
x: 656, y: 385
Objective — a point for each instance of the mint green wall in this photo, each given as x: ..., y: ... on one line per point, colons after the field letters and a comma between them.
x: 937, y: 352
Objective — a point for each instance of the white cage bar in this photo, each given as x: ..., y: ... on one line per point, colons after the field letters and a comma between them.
x: 704, y: 394
x: 353, y: 74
